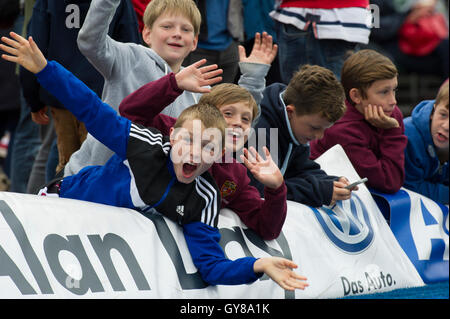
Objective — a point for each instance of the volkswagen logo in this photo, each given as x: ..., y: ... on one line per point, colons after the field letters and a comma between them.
x: 347, y: 225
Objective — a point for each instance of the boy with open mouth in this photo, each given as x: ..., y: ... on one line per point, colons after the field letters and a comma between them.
x: 143, y: 163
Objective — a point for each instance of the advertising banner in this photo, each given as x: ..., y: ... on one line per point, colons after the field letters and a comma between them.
x: 63, y: 248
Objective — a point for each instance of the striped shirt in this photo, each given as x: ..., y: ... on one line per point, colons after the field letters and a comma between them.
x: 349, y: 24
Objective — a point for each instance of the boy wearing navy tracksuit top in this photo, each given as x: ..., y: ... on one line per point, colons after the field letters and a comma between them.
x: 142, y: 175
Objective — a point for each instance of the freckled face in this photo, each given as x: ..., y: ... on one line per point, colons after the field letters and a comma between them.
x: 439, y: 127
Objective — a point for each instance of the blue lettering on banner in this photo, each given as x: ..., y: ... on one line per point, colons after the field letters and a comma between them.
x: 347, y: 225
x: 421, y: 228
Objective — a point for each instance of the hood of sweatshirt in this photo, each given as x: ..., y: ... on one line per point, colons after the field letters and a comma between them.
x: 420, y: 118
x: 274, y: 112
x: 160, y: 63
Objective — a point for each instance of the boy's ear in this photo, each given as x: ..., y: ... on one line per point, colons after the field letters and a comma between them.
x: 355, y: 95
x: 172, y: 139
x: 290, y: 109
x: 146, y: 35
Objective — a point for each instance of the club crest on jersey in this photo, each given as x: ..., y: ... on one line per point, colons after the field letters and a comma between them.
x: 228, y: 188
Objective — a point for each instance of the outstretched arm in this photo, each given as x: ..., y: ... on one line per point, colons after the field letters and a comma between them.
x: 209, y: 258
x: 71, y: 92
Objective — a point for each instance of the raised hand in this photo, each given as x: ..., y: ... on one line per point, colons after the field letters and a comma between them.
x: 280, y: 270
x: 264, y: 170
x: 23, y: 51
x: 375, y: 116
x: 195, y: 78
x: 264, y: 51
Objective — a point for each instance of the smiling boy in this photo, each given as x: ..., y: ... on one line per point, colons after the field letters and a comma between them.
x: 371, y: 130
x: 144, y: 175
x: 170, y: 34
x: 301, y: 111
x: 264, y: 216
x: 426, y: 155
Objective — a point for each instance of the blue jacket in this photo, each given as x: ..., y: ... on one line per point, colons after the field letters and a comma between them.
x: 306, y: 183
x: 424, y: 172
x: 127, y: 180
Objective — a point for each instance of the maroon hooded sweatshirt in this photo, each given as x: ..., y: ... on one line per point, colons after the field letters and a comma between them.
x: 265, y: 217
x: 375, y: 153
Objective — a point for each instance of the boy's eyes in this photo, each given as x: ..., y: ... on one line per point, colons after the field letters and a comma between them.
x: 443, y: 114
x: 384, y: 92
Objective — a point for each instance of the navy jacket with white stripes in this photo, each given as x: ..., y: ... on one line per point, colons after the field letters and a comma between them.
x: 140, y: 176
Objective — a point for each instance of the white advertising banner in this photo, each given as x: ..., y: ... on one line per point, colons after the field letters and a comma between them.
x: 63, y: 248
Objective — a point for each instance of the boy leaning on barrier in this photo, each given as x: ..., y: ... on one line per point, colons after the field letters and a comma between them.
x: 371, y: 130
x: 426, y: 155
x: 239, y: 109
x: 151, y: 171
x: 301, y: 111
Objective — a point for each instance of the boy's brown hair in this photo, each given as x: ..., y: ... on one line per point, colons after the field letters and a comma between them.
x: 442, y: 96
x: 229, y: 93
x: 316, y: 90
x: 363, y: 68
x: 208, y: 114
x: 187, y: 8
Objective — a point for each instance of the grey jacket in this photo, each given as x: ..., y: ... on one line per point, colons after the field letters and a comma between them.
x: 125, y: 68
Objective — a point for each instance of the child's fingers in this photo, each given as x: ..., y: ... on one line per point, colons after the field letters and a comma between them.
x: 212, y: 74
x: 199, y: 63
x: 33, y: 45
x: 208, y: 68
x: 249, y: 156
x: 299, y: 277
x: 296, y: 284
x: 11, y: 42
x: 255, y: 154
x: 211, y: 82
x: 10, y: 58
x: 18, y: 38
x: 267, y: 153
x: 246, y: 162
x: 242, y: 54
x: 9, y: 49
x: 257, y: 42
x: 274, y: 51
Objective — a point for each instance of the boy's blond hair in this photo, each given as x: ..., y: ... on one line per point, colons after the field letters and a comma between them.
x: 208, y: 114
x: 187, y: 8
x: 316, y: 90
x: 442, y: 96
x: 363, y: 68
x: 229, y: 93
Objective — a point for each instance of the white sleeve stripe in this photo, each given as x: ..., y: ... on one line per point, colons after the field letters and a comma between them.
x: 134, y: 193
x: 203, y: 218
x: 165, y: 146
x: 210, y: 212
x: 146, y: 133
